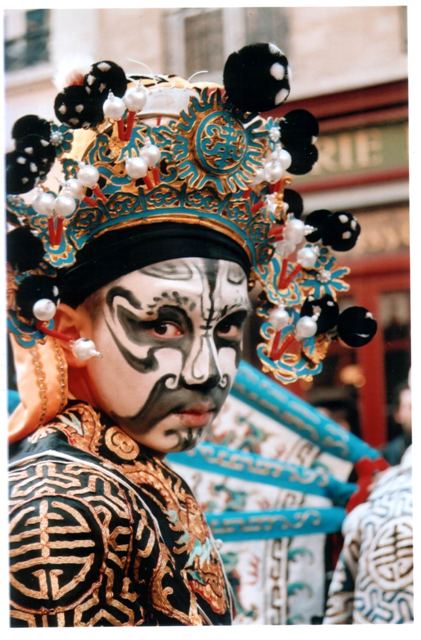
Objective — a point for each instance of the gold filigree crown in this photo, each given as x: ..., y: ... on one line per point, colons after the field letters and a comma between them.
x: 154, y: 150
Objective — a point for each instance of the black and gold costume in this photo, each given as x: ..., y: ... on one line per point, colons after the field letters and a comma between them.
x: 105, y: 533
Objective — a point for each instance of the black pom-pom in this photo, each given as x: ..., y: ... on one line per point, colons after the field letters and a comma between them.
x: 28, y: 125
x: 32, y: 289
x: 298, y: 128
x: 303, y: 158
x: 74, y: 107
x: 294, y: 202
x: 256, y: 77
x: 21, y: 172
x: 38, y: 148
x: 327, y: 309
x: 356, y: 326
x: 103, y: 77
x: 316, y: 219
x: 24, y: 250
x: 340, y: 231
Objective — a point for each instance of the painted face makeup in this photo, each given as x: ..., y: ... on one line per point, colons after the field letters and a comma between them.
x: 171, y: 338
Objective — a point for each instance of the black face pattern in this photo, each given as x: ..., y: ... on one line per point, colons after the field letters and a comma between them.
x: 171, y: 338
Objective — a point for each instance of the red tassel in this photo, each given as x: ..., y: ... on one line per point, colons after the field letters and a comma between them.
x: 283, y: 273
x: 129, y: 125
x: 51, y: 231
x: 55, y: 230
x: 90, y: 201
x: 121, y: 129
x: 256, y: 207
x: 59, y: 231
x: 97, y: 191
x: 148, y: 181
x: 42, y: 326
x: 156, y: 175
x: 276, y: 232
x: 284, y: 280
x: 158, y: 121
x: 277, y: 351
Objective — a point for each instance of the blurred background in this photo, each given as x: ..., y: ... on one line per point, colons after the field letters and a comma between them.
x: 349, y: 68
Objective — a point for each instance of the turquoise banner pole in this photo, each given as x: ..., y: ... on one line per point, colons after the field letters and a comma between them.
x: 273, y: 400
x: 255, y: 468
x: 280, y: 523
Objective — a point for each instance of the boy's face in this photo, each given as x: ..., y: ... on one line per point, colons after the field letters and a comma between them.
x: 170, y: 336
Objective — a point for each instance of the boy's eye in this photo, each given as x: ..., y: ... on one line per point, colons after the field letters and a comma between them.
x: 163, y: 329
x: 231, y: 328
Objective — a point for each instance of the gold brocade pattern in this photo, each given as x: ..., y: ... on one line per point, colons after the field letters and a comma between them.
x: 103, y: 553
x: 121, y: 444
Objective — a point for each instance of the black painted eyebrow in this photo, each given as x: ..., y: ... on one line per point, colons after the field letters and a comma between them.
x: 237, y: 317
x: 246, y: 307
x: 121, y: 292
x: 171, y: 298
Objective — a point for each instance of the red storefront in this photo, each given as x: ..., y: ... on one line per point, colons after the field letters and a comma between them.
x: 363, y: 167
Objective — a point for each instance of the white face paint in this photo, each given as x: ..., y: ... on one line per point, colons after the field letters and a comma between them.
x: 170, y: 335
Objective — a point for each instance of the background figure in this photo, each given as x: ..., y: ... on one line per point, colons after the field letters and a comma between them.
x: 373, y: 580
x: 397, y: 446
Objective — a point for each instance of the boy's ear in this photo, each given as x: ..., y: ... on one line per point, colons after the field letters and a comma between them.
x: 74, y: 324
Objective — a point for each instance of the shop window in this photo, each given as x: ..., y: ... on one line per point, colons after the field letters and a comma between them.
x: 202, y: 39
x: 27, y: 38
x: 268, y: 24
x: 203, y: 36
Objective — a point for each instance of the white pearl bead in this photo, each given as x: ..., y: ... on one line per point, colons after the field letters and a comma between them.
x: 44, y: 310
x: 56, y: 138
x: 259, y: 177
x: 307, y: 257
x: 88, y: 175
x: 43, y: 203
x: 273, y: 172
x: 151, y: 153
x: 83, y: 349
x: 285, y: 159
x: 65, y: 206
x: 114, y: 107
x: 74, y: 188
x: 274, y: 155
x: 279, y: 318
x: 135, y: 98
x: 136, y: 167
x: 294, y: 230
x: 306, y: 328
x: 284, y: 248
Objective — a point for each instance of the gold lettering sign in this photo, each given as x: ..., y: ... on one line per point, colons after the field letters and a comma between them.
x: 373, y: 148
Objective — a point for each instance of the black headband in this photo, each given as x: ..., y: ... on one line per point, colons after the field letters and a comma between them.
x: 119, y: 252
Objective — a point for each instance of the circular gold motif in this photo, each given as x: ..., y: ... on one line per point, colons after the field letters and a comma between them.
x: 121, y: 444
x: 57, y: 547
x: 220, y: 143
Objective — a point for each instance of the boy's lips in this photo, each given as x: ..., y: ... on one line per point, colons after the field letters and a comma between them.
x: 196, y: 415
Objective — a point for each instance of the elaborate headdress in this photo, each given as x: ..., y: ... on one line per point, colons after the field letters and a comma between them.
x: 155, y: 167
